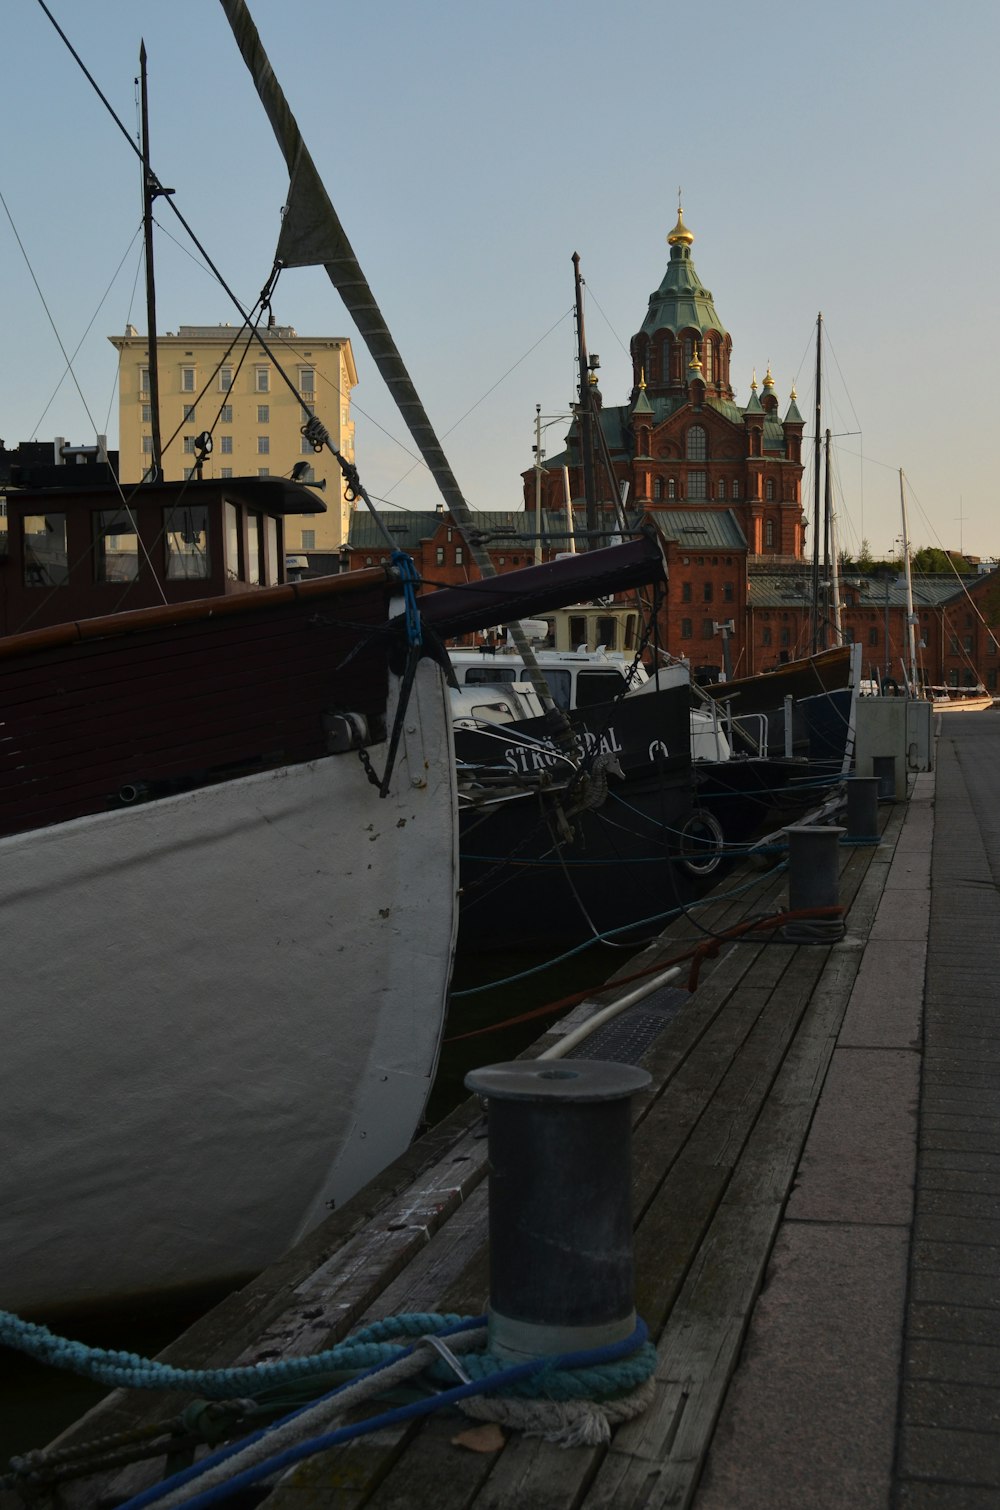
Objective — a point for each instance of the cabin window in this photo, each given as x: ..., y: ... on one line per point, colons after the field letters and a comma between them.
x: 255, y: 549
x: 697, y: 443
x: 577, y: 632
x: 271, y: 562
x: 697, y: 485
x: 226, y: 445
x: 46, y: 562
x: 686, y: 630
x: 116, y: 546
x: 263, y: 445
x: 185, y: 532
x: 187, y: 379
x: 630, y: 631
x: 225, y: 379
x: 263, y: 414
x: 606, y: 629
x: 594, y: 687
x: 226, y: 414
x: 262, y: 380
x: 233, y: 542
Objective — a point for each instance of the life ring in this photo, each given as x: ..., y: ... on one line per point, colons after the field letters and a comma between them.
x: 702, y: 843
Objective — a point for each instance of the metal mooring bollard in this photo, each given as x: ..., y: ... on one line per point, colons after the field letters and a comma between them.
x: 862, y: 810
x: 813, y: 881
x: 561, y: 1260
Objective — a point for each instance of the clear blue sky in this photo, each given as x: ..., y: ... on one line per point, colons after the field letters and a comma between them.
x: 836, y: 158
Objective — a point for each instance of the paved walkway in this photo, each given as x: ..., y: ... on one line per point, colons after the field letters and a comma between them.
x: 870, y: 1376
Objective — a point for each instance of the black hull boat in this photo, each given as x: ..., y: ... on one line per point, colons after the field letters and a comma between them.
x: 560, y: 841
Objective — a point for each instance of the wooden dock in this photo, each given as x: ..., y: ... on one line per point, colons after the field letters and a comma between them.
x: 739, y: 1124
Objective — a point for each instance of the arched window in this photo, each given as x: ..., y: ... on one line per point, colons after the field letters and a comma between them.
x: 708, y: 360
x: 769, y: 534
x: 736, y: 490
x: 658, y: 488
x: 688, y: 352
x: 672, y: 488
x: 697, y: 443
x: 720, y: 490
x: 770, y: 490
x: 665, y: 359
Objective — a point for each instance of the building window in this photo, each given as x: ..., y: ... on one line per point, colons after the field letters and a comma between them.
x: 685, y: 629
x: 991, y: 681
x: 658, y: 488
x: 306, y: 446
x: 188, y: 473
x: 306, y: 381
x: 147, y: 414
x: 696, y: 448
x: 707, y: 629
x: 147, y: 445
x: 735, y: 495
x: 720, y: 490
x: 263, y: 445
x: 991, y: 644
x: 967, y: 642
x: 226, y: 414
x: 225, y: 379
x: 225, y: 471
x: 786, y: 637
x: 226, y: 445
x: 307, y: 475
x: 706, y: 592
x: 765, y: 638
x: 728, y: 592
x: 708, y: 361
x: 263, y: 471
x: 262, y: 381
x: 459, y: 555
x: 953, y: 644
x: 187, y: 379
x: 189, y: 445
x: 439, y: 555
x: 685, y: 592
x: 189, y: 413
x: 672, y: 488
x: 308, y: 540
x: 873, y: 636
x: 696, y: 485
x: 143, y: 379
x: 769, y: 534
x: 848, y: 634
x: 263, y: 414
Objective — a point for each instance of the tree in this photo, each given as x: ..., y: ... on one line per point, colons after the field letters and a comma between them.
x: 929, y: 558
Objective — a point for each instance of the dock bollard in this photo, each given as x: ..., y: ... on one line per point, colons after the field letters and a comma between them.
x: 560, y: 1191
x: 813, y: 881
x: 862, y: 810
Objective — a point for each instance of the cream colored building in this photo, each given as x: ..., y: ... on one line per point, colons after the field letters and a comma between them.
x: 217, y: 378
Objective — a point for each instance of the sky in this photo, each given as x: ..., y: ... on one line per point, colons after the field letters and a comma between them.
x: 835, y: 158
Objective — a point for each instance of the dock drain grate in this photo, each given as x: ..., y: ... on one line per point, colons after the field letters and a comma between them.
x: 625, y: 1039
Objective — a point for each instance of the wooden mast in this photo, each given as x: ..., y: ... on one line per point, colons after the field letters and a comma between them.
x: 150, y: 190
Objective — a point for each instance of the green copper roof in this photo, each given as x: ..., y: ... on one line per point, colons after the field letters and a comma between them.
x: 682, y: 301
x: 793, y: 417
x: 700, y: 529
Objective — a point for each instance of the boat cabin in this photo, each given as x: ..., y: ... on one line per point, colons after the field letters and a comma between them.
x: 83, y: 552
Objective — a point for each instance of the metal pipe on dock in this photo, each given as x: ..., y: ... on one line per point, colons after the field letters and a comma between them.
x: 561, y: 1256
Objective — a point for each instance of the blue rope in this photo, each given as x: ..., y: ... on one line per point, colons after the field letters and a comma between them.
x: 409, y: 580
x: 632, y: 1360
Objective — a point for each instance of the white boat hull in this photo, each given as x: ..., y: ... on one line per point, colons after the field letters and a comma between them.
x: 222, y: 1014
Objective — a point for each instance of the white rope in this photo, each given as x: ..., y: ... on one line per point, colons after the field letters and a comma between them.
x: 569, y: 1423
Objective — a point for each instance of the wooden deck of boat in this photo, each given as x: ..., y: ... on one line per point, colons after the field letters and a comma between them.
x: 779, y: 1130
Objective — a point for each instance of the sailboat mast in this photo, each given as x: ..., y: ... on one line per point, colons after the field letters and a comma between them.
x: 816, y: 483
x: 585, y: 418
x: 834, y: 566
x: 910, y: 615
x: 150, y: 188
